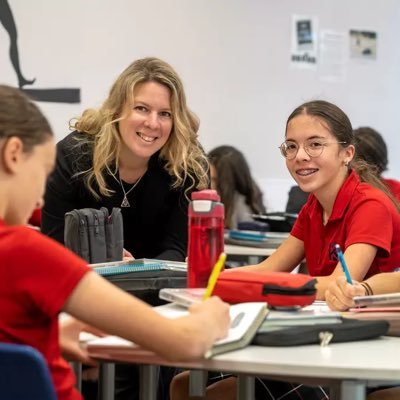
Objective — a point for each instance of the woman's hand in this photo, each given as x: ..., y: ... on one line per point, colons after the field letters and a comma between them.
x: 126, y: 255
x: 339, y: 295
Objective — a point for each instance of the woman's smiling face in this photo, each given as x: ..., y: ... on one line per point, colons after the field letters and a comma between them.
x: 147, y: 123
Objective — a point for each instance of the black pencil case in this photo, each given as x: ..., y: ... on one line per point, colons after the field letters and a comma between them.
x: 95, y: 235
x: 346, y: 331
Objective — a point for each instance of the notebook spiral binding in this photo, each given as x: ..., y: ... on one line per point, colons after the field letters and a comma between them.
x: 140, y: 265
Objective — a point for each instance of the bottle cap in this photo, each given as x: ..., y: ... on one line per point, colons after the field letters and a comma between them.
x: 207, y: 194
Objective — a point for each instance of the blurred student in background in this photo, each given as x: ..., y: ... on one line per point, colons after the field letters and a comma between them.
x: 371, y: 147
x: 231, y: 178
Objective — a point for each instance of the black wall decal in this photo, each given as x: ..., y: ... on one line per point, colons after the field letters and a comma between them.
x: 56, y: 95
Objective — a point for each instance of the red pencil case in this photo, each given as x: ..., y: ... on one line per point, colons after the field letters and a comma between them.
x: 278, y: 289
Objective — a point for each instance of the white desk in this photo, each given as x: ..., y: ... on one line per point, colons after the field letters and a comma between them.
x: 254, y: 254
x: 231, y: 249
x: 347, y: 368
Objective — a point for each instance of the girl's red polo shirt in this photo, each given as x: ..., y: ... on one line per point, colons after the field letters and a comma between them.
x: 361, y: 214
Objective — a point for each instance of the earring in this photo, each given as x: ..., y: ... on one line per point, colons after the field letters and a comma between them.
x: 346, y: 163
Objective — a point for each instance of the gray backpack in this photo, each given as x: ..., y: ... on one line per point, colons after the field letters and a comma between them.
x: 94, y: 235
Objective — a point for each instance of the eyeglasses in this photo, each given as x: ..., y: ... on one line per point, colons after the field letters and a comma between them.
x: 313, y: 147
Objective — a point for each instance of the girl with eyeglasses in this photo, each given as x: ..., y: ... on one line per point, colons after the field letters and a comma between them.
x: 348, y: 205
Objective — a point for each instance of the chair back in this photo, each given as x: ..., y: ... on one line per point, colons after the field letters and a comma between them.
x: 24, y: 374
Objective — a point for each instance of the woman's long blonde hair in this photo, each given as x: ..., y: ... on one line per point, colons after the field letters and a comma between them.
x: 183, y: 155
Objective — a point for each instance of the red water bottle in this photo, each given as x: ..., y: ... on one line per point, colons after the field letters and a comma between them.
x: 206, y: 236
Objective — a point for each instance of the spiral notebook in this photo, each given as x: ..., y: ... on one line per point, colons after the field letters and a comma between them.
x: 142, y: 264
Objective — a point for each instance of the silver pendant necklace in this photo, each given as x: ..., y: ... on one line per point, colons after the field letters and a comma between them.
x: 125, y: 201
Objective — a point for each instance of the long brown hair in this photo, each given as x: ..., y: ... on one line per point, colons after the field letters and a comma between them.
x: 234, y: 176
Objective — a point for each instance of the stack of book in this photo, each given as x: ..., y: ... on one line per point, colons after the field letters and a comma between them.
x: 382, y: 306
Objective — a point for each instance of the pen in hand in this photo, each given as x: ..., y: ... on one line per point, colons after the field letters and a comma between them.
x: 214, y: 275
x: 343, y: 264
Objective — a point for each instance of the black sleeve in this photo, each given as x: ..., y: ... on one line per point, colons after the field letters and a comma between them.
x: 62, y: 190
x: 176, y: 236
x: 175, y: 240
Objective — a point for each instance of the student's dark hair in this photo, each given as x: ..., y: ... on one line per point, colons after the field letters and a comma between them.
x: 371, y: 147
x: 234, y: 177
x: 20, y: 117
x: 339, y: 125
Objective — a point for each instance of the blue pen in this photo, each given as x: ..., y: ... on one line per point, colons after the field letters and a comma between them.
x: 343, y: 264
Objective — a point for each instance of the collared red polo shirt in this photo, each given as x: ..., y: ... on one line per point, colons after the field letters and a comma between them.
x: 394, y: 187
x: 361, y: 214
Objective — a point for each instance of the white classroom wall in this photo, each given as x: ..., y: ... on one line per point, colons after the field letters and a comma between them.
x: 233, y: 56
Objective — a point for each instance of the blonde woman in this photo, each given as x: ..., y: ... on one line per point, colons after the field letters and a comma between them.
x: 138, y: 151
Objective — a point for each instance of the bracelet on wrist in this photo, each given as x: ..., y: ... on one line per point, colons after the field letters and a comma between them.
x: 368, y: 289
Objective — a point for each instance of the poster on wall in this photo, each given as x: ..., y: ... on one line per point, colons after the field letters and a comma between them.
x: 333, y: 56
x: 363, y: 44
x: 31, y: 86
x: 304, y: 42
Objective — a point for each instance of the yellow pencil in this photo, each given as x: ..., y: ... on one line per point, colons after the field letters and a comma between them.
x: 214, y: 275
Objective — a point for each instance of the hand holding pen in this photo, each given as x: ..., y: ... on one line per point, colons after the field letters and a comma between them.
x: 343, y: 263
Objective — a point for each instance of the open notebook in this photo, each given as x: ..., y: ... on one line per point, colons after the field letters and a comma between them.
x: 139, y: 265
x: 245, y: 320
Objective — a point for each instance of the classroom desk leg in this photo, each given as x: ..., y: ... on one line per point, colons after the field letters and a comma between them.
x: 245, y: 387
x: 148, y: 382
x: 352, y: 390
x: 197, y: 383
x: 107, y: 381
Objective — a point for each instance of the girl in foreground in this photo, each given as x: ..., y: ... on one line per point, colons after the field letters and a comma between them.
x: 39, y: 277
